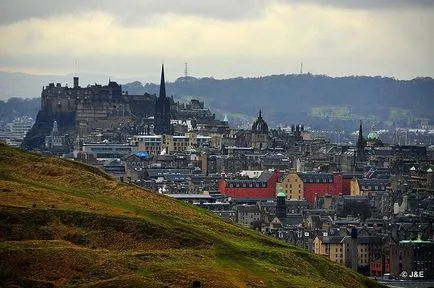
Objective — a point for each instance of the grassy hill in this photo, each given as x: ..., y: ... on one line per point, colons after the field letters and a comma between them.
x: 66, y: 224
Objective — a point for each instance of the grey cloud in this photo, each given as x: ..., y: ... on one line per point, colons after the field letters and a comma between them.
x: 130, y: 11
x: 137, y: 11
x: 368, y: 4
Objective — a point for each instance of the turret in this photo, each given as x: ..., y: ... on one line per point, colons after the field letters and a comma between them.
x: 281, y: 204
x: 430, y: 178
x: 76, y: 82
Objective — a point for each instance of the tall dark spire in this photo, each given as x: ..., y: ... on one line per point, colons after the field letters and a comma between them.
x: 162, y: 110
x: 162, y: 83
x: 360, y: 131
x: 260, y: 114
x: 361, y: 144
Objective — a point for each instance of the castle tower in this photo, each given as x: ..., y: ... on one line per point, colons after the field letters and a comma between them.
x: 260, y: 133
x: 162, y: 110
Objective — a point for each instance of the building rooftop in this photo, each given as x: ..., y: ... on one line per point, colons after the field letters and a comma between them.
x: 316, y: 177
x: 416, y: 242
x: 190, y: 196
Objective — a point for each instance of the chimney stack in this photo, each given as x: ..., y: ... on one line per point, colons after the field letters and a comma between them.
x: 76, y: 82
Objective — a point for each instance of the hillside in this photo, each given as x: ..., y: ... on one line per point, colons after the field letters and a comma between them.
x: 66, y: 224
x: 286, y: 99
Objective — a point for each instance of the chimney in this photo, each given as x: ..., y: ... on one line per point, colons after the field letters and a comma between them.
x: 353, y: 249
x: 76, y: 82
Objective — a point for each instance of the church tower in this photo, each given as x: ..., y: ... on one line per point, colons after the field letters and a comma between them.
x: 162, y: 110
x: 281, y: 204
x: 361, y: 144
x: 260, y: 133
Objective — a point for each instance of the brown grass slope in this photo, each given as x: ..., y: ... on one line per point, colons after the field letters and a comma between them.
x: 63, y: 223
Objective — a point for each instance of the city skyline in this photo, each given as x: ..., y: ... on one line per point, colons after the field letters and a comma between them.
x: 218, y: 39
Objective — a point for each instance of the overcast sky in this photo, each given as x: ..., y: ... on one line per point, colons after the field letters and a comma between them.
x: 218, y: 38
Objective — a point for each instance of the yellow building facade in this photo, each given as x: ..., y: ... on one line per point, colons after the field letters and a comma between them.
x: 339, y: 251
x: 292, y: 185
x: 355, y: 187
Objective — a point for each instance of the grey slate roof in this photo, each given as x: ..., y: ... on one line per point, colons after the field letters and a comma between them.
x: 164, y: 172
x: 248, y: 209
x: 316, y: 177
x: 332, y: 239
x: 373, y: 184
x: 190, y: 196
x: 245, y: 184
x: 264, y: 176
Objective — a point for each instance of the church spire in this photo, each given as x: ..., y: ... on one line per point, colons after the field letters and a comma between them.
x: 361, y: 144
x: 162, y: 83
x: 260, y: 114
x: 360, y: 140
x: 162, y: 110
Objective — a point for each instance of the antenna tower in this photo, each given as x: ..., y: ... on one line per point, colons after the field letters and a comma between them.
x: 185, y: 69
x: 76, y: 67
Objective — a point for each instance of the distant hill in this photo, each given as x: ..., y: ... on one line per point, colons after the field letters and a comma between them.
x: 17, y: 107
x: 316, y: 100
x: 63, y: 223
x: 292, y: 98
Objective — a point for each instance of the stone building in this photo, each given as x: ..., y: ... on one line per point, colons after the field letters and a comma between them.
x: 260, y: 136
x: 55, y: 142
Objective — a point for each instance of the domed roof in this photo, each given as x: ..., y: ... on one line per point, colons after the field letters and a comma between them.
x: 281, y: 193
x: 260, y: 126
x: 373, y: 135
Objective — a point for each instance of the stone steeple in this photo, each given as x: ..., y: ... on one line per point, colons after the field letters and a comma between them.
x: 162, y: 84
x: 162, y: 110
x: 361, y: 144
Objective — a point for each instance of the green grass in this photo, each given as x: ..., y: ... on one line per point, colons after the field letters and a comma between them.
x: 63, y: 223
